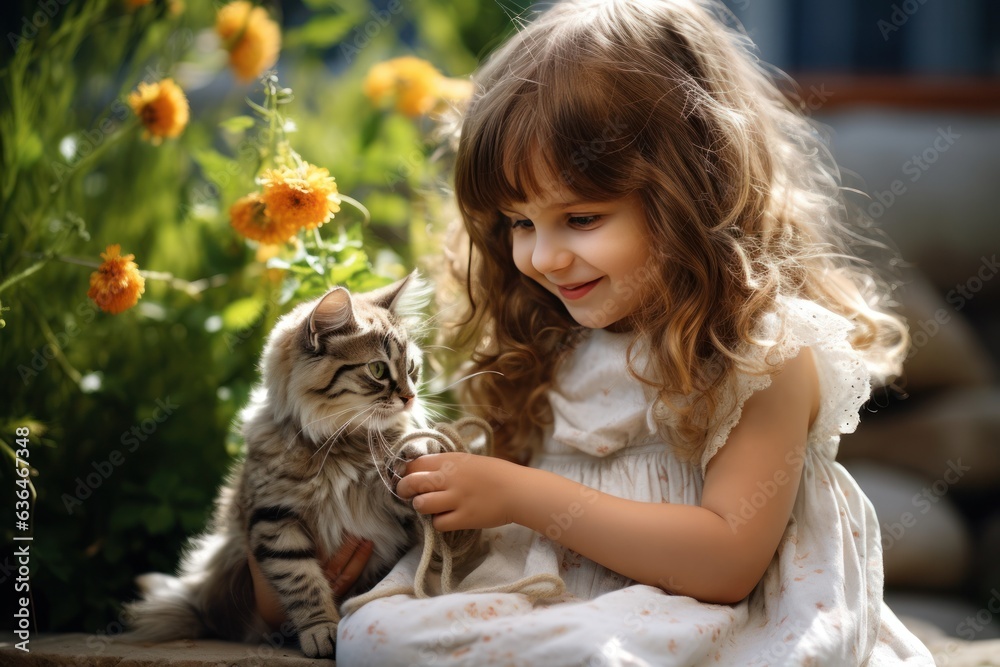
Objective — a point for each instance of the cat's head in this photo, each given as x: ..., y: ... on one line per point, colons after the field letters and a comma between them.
x: 346, y: 361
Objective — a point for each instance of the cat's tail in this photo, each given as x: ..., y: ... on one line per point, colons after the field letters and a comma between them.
x: 167, y: 611
x: 212, y: 597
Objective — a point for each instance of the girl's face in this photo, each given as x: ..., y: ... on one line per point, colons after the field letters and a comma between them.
x: 591, y: 255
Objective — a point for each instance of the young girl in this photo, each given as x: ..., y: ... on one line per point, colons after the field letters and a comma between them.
x: 668, y: 332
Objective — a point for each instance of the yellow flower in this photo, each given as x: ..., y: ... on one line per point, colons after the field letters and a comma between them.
x: 456, y: 90
x: 162, y: 107
x: 248, y: 217
x: 251, y: 37
x: 116, y: 285
x: 380, y: 81
x: 417, y: 86
x: 300, y: 198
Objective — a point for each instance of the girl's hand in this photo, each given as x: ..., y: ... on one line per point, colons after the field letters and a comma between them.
x: 461, y: 490
x: 341, y: 571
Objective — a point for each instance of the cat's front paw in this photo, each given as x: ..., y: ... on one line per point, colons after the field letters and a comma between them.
x: 420, y: 446
x: 319, y: 641
x: 413, y: 449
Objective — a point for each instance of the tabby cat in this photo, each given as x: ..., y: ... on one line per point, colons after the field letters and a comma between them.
x: 339, y: 377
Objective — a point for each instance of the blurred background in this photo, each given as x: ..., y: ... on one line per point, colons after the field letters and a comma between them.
x: 910, y: 95
x: 130, y: 414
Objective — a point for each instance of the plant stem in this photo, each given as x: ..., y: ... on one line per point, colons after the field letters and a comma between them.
x: 54, y: 344
x: 97, y: 152
x: 18, y: 277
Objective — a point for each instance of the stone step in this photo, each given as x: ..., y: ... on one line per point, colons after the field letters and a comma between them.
x: 85, y: 650
x: 82, y: 650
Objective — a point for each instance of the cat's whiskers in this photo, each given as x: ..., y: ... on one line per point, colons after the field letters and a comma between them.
x: 437, y: 347
x: 329, y: 442
x: 427, y: 321
x: 324, y: 417
x: 445, y: 406
x: 384, y: 446
x: 468, y: 377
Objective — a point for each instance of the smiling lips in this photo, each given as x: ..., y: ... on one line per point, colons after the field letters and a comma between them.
x: 579, y: 291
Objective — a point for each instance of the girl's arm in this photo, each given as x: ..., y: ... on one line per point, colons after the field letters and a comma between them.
x: 716, y: 552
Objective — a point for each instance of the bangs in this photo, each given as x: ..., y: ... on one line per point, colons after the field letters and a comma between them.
x: 559, y: 124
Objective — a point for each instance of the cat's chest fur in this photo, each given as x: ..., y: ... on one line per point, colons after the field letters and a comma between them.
x: 336, y: 490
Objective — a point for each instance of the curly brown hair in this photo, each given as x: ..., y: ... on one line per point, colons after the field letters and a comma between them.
x: 664, y: 100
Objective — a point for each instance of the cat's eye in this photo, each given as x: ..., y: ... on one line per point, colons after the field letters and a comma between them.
x: 412, y: 367
x: 378, y: 369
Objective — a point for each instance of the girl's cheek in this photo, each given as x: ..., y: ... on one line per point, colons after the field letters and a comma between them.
x: 522, y: 257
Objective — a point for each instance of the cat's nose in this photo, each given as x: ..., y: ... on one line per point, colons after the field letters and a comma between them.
x: 406, y: 399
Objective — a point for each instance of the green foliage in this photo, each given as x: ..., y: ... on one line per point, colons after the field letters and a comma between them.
x: 131, y: 415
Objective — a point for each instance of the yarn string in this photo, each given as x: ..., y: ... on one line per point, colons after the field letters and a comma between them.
x: 455, y: 546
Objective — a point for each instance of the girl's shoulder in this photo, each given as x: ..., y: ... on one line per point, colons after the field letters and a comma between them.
x: 782, y: 333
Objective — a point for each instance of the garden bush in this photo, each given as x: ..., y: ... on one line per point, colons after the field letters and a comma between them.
x: 164, y: 130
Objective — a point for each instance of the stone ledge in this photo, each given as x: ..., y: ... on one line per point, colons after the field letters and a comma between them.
x: 84, y: 650
x: 94, y: 651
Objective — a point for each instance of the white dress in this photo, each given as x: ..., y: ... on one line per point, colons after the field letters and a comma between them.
x: 819, y: 602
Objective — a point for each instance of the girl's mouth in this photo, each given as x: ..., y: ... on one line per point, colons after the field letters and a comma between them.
x: 579, y: 291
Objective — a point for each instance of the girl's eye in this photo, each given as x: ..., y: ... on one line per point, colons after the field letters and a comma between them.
x: 584, y: 220
x: 377, y: 369
x: 521, y: 224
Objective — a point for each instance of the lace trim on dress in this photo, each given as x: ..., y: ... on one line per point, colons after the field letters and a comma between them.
x: 844, y: 379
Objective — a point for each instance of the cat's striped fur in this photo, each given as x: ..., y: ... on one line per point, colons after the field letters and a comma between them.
x: 339, y: 378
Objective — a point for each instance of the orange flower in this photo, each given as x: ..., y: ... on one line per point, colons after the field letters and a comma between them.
x: 300, y: 198
x: 417, y: 86
x: 162, y: 107
x: 248, y: 217
x: 116, y: 285
x: 251, y: 37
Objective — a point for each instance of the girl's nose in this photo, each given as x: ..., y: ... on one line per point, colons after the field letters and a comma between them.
x: 549, y: 255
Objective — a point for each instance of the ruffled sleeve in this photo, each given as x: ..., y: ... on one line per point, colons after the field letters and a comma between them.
x: 844, y: 379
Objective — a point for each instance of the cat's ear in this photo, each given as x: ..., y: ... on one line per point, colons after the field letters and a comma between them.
x: 333, y: 313
x: 405, y: 297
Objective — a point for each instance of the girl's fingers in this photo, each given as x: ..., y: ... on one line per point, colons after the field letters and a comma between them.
x: 352, y: 569
x: 425, y: 462
x: 336, y: 564
x: 433, y: 503
x: 265, y: 597
x: 416, y: 483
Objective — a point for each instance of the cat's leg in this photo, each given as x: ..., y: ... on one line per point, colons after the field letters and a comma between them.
x: 287, y: 557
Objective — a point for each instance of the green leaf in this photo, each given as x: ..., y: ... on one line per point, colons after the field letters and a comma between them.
x: 370, y: 130
x: 389, y: 209
x: 238, y: 123
x: 242, y: 313
x: 217, y: 167
x: 289, y: 288
x: 30, y: 149
x: 322, y: 32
